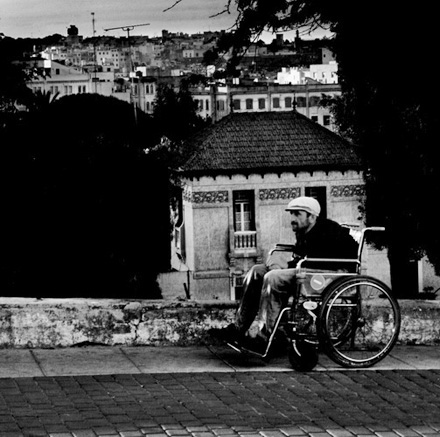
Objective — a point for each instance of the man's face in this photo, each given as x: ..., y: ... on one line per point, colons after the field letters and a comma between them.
x: 301, y: 221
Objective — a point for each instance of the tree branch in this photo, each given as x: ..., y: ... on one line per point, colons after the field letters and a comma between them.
x: 226, y: 10
x: 172, y: 6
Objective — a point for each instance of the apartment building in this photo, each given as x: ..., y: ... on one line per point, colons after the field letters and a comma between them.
x: 66, y: 80
x: 322, y: 73
x: 60, y: 79
x: 218, y: 101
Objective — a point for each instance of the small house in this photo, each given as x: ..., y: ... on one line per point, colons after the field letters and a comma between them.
x: 235, y: 187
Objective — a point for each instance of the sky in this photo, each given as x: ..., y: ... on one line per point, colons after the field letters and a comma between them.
x: 40, y: 18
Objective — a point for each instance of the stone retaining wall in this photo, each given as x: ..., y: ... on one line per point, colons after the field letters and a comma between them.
x: 52, y: 323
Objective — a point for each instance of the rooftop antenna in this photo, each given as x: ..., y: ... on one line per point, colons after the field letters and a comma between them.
x: 128, y: 29
x: 94, y: 52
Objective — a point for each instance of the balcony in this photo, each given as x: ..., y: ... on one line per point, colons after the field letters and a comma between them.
x: 245, y: 240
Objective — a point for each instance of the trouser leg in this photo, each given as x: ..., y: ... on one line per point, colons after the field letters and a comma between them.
x: 248, y: 308
x: 276, y: 289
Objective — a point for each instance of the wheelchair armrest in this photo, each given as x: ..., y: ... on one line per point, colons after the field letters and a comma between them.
x: 282, y: 247
x: 327, y: 260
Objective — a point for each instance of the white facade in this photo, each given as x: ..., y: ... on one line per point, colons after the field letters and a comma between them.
x: 211, y: 246
x: 324, y: 73
x: 62, y: 79
x: 67, y: 80
x: 292, y: 76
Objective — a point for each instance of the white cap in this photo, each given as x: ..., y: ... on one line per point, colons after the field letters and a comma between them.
x: 304, y: 203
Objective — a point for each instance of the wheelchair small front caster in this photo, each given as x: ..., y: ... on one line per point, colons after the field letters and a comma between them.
x: 303, y: 356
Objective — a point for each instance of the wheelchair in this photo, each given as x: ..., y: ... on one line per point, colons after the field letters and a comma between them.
x: 353, y: 318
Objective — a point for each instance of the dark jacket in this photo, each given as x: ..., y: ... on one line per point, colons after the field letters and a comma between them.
x: 327, y: 239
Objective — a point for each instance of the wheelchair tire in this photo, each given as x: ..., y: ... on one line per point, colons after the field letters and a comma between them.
x: 303, y: 356
x: 359, y: 321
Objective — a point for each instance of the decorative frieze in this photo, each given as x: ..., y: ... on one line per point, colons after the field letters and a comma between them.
x: 279, y: 193
x: 206, y: 196
x: 347, y: 190
x: 187, y: 194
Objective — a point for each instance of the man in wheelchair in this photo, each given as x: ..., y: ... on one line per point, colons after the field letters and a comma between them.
x: 266, y: 288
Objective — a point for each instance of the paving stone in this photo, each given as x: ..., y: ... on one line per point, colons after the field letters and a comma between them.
x: 293, y: 431
x: 339, y: 432
x: 131, y: 434
x: 84, y: 433
x: 343, y: 403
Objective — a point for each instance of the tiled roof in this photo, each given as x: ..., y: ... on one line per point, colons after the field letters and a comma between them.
x: 269, y: 142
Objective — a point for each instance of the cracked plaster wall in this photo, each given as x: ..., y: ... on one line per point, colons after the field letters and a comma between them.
x: 52, y: 323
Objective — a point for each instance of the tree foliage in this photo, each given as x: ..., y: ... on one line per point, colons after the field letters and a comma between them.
x: 85, y: 187
x: 175, y: 111
x: 387, y: 107
x: 87, y: 210
x: 13, y: 89
x: 175, y: 116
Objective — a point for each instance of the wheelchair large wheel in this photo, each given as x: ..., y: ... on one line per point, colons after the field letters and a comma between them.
x: 359, y: 321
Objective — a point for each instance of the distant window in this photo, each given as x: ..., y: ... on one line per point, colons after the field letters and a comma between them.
x: 57, y: 71
x: 314, y: 101
x: 276, y: 102
x: 236, y: 104
x: 244, y: 210
x: 207, y: 104
x: 326, y: 120
x: 288, y: 102
x: 261, y: 103
x: 301, y: 102
x: 314, y: 118
x: 220, y: 105
x: 249, y: 103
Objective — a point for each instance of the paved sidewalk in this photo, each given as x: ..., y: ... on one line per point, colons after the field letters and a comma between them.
x: 213, y: 391
x: 106, y: 360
